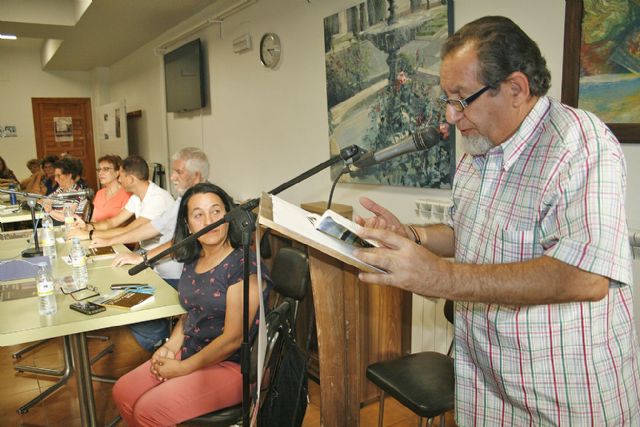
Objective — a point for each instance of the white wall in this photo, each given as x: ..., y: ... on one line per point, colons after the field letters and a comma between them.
x: 263, y: 127
x: 21, y: 79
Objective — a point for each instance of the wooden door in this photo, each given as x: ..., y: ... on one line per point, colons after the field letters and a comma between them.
x: 76, y: 139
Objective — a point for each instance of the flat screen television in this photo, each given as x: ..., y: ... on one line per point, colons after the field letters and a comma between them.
x: 184, y: 78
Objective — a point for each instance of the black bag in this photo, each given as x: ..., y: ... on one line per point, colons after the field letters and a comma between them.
x: 286, y: 401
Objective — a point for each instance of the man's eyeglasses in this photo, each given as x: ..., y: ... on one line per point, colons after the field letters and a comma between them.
x: 106, y: 169
x: 460, y: 104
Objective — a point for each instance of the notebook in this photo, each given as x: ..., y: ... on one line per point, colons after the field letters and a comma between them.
x: 125, y: 300
x: 105, y: 252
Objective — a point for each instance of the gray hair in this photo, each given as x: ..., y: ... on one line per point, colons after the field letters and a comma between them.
x: 194, y: 161
x: 502, y: 48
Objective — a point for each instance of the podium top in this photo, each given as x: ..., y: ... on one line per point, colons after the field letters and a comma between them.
x: 293, y: 222
x: 319, y: 208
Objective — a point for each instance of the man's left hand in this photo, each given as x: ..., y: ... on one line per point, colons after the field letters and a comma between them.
x: 409, y: 266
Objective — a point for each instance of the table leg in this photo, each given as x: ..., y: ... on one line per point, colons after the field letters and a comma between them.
x: 82, y: 364
x: 65, y: 375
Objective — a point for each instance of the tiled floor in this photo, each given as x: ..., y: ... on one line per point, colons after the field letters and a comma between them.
x: 61, y: 409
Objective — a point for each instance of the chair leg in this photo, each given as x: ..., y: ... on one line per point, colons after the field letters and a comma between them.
x: 115, y: 421
x: 442, y: 420
x: 420, y: 421
x: 381, y: 409
x: 98, y: 337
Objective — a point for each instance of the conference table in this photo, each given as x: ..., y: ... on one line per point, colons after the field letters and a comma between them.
x: 21, y: 323
x: 14, y: 213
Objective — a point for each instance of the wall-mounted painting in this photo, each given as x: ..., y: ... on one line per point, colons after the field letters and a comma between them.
x: 601, y: 70
x: 383, y: 80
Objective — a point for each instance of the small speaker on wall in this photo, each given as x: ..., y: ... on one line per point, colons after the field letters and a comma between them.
x: 242, y: 43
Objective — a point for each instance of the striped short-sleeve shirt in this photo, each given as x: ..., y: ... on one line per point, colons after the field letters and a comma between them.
x: 556, y: 188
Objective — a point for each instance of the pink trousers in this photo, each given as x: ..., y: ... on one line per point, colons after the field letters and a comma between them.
x: 144, y: 401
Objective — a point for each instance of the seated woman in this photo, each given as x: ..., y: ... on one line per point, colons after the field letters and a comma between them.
x: 112, y: 197
x: 197, y: 370
x: 6, y: 175
x: 65, y: 173
x: 35, y: 182
x: 49, y: 171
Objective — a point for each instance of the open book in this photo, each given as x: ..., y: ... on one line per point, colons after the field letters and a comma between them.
x: 302, y: 226
x: 125, y: 300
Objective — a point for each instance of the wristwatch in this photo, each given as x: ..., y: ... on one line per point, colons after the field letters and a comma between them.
x: 143, y: 253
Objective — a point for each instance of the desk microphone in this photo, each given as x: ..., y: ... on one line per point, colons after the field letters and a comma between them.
x: 87, y: 192
x: 419, y: 140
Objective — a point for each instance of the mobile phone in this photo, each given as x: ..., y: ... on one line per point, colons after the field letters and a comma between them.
x: 329, y: 226
x: 86, y: 307
x: 126, y: 285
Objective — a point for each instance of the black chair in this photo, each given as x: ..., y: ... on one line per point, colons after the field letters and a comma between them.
x: 423, y: 382
x: 291, y: 280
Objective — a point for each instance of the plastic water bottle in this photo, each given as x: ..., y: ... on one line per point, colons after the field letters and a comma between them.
x: 12, y: 196
x: 48, y: 237
x: 79, y: 264
x: 68, y: 217
x: 46, y: 291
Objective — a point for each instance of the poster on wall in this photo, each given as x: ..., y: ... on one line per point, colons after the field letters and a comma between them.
x: 63, y: 129
x: 8, y: 131
x: 382, y: 61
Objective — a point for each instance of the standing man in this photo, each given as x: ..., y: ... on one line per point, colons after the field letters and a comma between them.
x: 544, y: 331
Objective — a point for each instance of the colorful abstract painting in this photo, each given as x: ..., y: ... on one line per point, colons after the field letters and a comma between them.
x: 382, y: 64
x: 610, y: 60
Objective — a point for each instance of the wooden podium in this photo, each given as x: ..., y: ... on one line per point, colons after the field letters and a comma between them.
x: 342, y: 324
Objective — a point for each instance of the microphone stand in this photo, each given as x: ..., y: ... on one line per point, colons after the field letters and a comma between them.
x: 31, y: 201
x: 242, y: 217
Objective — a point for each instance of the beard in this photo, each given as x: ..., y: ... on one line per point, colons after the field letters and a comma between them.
x: 477, y: 145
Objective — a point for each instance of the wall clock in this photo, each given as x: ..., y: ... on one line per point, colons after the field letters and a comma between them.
x: 270, y: 50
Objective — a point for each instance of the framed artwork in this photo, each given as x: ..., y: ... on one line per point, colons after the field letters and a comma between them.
x: 382, y: 62
x: 601, y: 64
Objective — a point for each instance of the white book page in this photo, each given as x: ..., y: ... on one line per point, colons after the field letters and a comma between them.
x: 297, y: 220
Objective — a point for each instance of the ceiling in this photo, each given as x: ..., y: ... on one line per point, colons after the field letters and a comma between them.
x: 84, y: 34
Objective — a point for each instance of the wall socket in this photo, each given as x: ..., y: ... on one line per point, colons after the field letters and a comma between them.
x: 432, y: 211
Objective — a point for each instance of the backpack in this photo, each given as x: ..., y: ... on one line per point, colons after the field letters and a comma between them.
x: 286, y: 400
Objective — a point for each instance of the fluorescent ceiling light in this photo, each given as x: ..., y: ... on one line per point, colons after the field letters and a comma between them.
x: 8, y: 36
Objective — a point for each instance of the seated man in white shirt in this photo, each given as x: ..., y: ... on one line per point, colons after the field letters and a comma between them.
x: 189, y: 167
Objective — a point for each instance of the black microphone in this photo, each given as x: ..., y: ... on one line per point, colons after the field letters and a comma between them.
x: 422, y: 139
x: 87, y: 192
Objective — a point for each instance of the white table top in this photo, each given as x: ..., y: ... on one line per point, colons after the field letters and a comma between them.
x: 20, y: 321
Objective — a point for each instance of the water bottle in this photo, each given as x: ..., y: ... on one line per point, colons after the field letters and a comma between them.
x: 79, y: 264
x: 68, y: 217
x: 46, y: 296
x: 12, y: 196
x: 48, y: 237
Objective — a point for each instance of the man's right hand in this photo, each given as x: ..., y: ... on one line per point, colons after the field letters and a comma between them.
x: 382, y: 218
x: 126, y: 259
